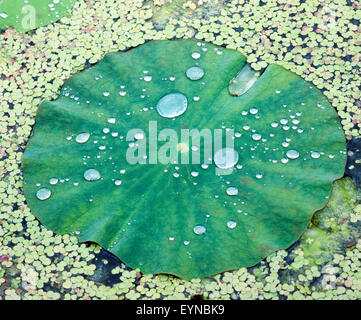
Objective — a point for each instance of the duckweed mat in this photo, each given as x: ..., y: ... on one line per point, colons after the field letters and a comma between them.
x: 318, y: 41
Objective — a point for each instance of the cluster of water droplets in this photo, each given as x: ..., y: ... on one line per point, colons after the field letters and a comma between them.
x: 173, y: 105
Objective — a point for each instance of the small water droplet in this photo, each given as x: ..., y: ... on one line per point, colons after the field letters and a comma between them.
x: 53, y: 181
x: 199, y: 229
x: 122, y: 93
x: 175, y: 175
x: 259, y: 176
x: 232, y: 191
x: 106, y: 94
x: 112, y: 120
x: 231, y: 224
x: 195, y: 73
x: 172, y: 105
x: 147, y: 78
x: 186, y: 243
x: 92, y: 175
x: 118, y: 182
x: 256, y: 136
x: 196, y: 55
x: 315, y: 155
x: 43, y: 194
x: 292, y: 154
x: 253, y: 111
x: 82, y: 137
x: 283, y: 121
x: 139, y: 136
x: 226, y: 158
x: 194, y: 174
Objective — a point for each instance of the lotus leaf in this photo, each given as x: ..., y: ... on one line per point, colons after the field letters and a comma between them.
x: 190, y: 220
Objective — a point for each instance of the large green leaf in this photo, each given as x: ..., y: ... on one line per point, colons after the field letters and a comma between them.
x: 148, y: 220
x: 31, y: 14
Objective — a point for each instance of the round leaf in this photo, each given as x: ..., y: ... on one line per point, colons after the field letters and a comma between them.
x: 189, y: 220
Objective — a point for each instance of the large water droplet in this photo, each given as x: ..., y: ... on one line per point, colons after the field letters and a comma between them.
x: 226, y: 158
x: 232, y: 191
x: 199, y: 229
x: 292, y: 154
x: 43, y: 194
x: 82, y: 137
x: 195, y: 73
x: 92, y: 175
x: 147, y: 78
x: 172, y: 105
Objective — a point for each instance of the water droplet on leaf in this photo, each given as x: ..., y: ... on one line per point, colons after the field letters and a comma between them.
x: 82, y: 137
x: 195, y: 73
x: 232, y: 191
x: 172, y: 105
x: 43, y: 194
x: 292, y: 154
x: 92, y: 175
x: 226, y: 158
x: 196, y: 55
x: 231, y: 224
x: 199, y: 229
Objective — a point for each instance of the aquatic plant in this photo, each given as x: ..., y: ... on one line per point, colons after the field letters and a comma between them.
x: 195, y: 219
